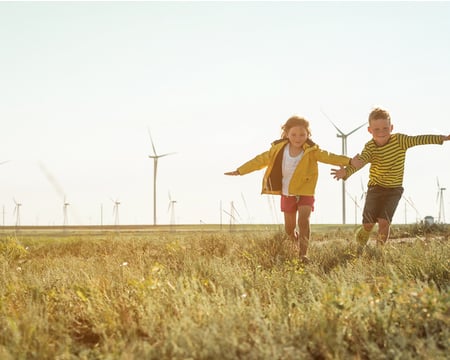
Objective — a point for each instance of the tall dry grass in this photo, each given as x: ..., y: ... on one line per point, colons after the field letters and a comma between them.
x: 220, y: 296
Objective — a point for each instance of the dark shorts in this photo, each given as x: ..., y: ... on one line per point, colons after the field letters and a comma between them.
x: 290, y: 204
x: 381, y: 203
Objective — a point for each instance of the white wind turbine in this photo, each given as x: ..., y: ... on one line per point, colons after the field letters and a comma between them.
x: 171, y: 209
x: 17, y: 212
x: 411, y: 204
x: 355, y: 202
x: 246, y: 208
x: 155, y: 158
x: 440, y: 200
x: 116, y: 211
x: 232, y: 214
x: 65, y: 205
x: 344, y: 152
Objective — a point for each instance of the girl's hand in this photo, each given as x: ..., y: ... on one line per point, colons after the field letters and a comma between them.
x: 338, y: 174
x: 233, y: 173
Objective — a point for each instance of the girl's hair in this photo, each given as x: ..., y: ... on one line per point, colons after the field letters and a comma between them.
x: 379, y: 113
x: 295, y: 121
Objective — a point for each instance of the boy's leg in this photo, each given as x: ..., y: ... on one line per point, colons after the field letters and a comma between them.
x: 363, y: 233
x: 370, y: 211
x: 391, y: 200
x: 384, y: 228
x: 304, y: 215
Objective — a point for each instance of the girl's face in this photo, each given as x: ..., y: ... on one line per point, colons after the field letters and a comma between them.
x: 297, y: 136
x: 381, y: 131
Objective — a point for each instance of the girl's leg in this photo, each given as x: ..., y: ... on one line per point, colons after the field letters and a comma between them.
x: 290, y: 223
x: 304, y: 215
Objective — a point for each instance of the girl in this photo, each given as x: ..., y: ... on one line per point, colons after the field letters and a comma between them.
x: 292, y: 172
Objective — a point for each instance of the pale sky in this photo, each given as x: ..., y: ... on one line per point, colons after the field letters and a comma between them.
x: 82, y: 82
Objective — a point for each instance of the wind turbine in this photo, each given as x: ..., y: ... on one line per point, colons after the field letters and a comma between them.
x: 344, y: 137
x: 411, y: 203
x: 171, y: 209
x: 440, y: 199
x: 355, y: 201
x: 65, y: 205
x: 17, y: 212
x: 246, y: 208
x: 232, y: 214
x: 116, y: 211
x: 155, y: 158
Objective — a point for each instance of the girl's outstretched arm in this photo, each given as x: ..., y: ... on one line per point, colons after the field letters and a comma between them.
x: 338, y: 174
x: 233, y: 173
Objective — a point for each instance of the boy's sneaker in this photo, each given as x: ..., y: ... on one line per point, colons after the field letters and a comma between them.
x: 362, y: 236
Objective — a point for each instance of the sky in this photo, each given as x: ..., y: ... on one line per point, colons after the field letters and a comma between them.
x: 82, y: 84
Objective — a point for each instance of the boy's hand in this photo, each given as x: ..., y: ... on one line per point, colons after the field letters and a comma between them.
x: 445, y: 138
x: 356, y: 162
x: 338, y: 174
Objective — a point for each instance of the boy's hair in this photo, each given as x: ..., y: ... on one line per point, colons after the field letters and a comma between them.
x: 295, y: 121
x: 379, y: 113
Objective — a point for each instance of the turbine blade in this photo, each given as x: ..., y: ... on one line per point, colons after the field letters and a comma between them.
x: 153, y: 145
x: 339, y: 130
x: 231, y: 216
x: 359, y: 127
x: 172, y: 153
x: 51, y: 179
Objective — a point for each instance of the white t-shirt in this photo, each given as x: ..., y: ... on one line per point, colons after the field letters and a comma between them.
x: 288, y: 167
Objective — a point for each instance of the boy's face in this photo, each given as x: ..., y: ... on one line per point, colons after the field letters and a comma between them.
x: 381, y: 131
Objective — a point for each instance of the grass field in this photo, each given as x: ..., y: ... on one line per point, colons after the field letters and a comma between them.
x: 222, y: 293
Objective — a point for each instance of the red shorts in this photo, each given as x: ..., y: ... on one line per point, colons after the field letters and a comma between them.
x: 290, y: 204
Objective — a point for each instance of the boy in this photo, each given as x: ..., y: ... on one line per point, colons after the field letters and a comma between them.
x: 386, y: 154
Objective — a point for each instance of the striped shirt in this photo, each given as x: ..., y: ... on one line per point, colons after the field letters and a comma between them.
x: 387, y: 162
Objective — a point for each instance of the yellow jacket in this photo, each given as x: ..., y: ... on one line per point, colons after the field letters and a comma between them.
x: 305, y: 176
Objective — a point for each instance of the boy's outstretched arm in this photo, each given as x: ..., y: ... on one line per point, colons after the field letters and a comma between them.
x: 341, y: 173
x: 445, y: 138
x: 357, y: 162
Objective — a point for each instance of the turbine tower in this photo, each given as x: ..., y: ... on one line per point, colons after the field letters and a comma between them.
x: 355, y: 202
x: 155, y: 158
x: 116, y: 211
x: 440, y: 199
x: 17, y: 212
x: 232, y: 214
x: 344, y: 137
x: 171, y: 209
x: 65, y: 205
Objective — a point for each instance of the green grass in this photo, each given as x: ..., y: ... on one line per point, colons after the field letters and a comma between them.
x: 221, y: 295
